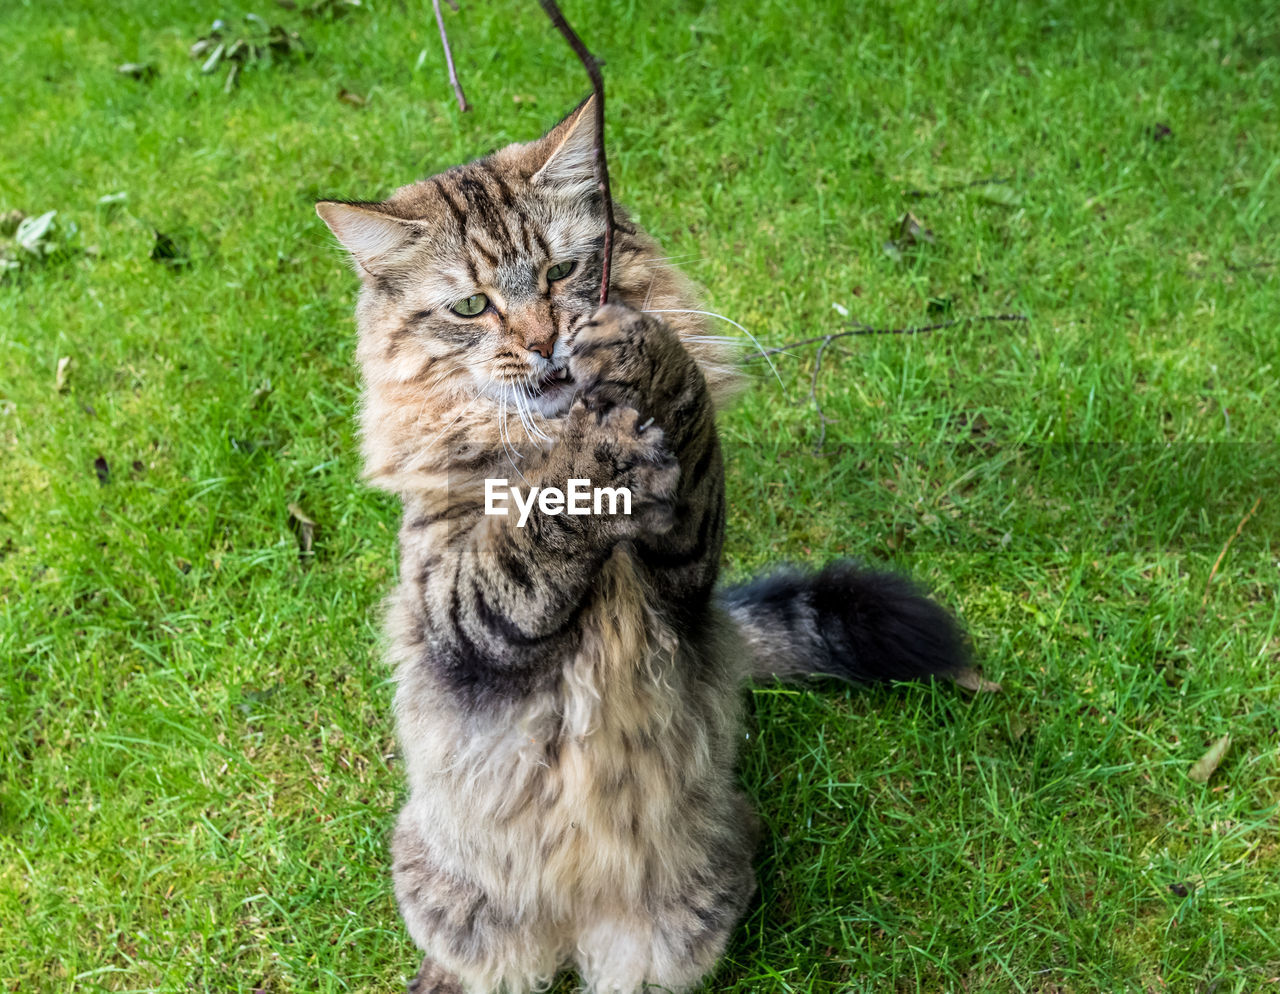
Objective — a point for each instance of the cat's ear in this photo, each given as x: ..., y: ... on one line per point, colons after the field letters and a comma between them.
x: 570, y: 151
x: 366, y: 232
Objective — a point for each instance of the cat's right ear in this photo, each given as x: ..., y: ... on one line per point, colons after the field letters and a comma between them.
x: 369, y: 234
x: 568, y: 152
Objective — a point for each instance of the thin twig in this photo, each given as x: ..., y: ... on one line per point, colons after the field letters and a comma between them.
x: 448, y: 57
x: 1204, y: 601
x: 866, y: 329
x: 592, y: 66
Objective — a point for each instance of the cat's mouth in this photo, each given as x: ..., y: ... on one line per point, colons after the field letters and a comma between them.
x: 552, y: 393
x: 552, y: 379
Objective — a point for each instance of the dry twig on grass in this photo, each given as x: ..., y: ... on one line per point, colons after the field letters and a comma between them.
x: 1204, y: 601
x: 866, y: 329
x: 824, y: 341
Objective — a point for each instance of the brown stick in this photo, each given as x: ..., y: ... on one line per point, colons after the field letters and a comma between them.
x: 592, y: 66
x: 1204, y: 601
x: 866, y: 329
x: 448, y: 58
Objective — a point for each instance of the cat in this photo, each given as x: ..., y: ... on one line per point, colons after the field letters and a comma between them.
x: 569, y: 693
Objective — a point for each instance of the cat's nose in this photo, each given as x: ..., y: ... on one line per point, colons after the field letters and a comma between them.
x: 541, y: 344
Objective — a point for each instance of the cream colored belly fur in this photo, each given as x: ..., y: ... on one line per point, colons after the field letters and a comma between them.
x: 579, y: 813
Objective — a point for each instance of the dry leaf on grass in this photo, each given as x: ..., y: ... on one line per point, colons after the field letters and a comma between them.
x: 306, y: 529
x: 971, y: 680
x: 1203, y: 768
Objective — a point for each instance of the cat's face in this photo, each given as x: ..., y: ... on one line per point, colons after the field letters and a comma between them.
x: 475, y: 280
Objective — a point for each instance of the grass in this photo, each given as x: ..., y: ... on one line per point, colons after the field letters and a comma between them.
x: 197, y: 774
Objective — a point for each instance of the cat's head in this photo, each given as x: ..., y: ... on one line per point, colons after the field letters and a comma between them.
x: 474, y: 280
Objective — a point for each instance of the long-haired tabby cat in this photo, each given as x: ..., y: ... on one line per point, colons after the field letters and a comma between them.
x: 569, y: 692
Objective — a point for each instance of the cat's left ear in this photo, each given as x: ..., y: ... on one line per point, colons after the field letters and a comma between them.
x: 570, y: 148
x: 369, y: 234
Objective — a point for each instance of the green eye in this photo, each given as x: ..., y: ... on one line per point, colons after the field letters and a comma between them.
x: 473, y: 305
x: 560, y: 270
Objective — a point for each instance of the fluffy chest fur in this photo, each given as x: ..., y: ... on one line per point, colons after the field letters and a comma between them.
x: 569, y: 798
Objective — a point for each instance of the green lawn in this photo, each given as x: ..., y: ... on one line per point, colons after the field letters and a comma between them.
x: 197, y: 770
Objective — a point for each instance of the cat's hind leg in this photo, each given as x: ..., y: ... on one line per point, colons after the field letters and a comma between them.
x: 432, y: 978
x: 628, y: 954
x: 672, y: 947
x: 474, y: 944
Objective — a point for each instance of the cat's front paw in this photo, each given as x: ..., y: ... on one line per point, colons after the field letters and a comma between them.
x: 615, y: 356
x: 622, y: 450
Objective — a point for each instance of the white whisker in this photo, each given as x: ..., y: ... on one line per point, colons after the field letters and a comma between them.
x: 715, y: 340
x: 649, y: 291
x: 522, y: 412
x: 538, y: 433
x: 504, y: 434
x: 694, y: 256
x: 713, y: 314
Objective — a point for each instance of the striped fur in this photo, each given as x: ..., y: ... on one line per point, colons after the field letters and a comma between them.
x: 568, y: 693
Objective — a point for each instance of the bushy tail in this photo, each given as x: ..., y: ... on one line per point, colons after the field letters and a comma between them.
x: 845, y: 622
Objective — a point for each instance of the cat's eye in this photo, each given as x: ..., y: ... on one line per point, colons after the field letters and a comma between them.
x: 560, y: 270
x: 473, y: 305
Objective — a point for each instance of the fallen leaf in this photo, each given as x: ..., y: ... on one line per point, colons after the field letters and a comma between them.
x: 260, y: 394
x: 1203, y: 768
x: 351, y: 99
x: 332, y: 9
x: 211, y: 63
x: 32, y: 229
x: 908, y: 233
x: 166, y: 250
x: 143, y: 71
x: 60, y: 377
x: 971, y: 680
x: 306, y: 529
x: 912, y: 232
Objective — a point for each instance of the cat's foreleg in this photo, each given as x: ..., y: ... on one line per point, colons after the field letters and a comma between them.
x: 505, y: 602
x: 626, y: 357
